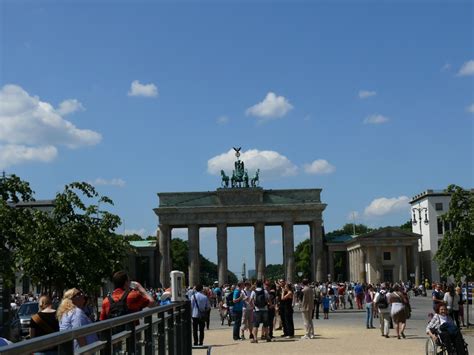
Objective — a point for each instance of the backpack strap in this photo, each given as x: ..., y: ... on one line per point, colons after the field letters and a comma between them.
x: 122, y: 299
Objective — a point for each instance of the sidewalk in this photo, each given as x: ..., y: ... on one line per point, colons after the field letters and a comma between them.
x: 330, y: 339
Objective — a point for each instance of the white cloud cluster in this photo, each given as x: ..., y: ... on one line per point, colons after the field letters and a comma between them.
x: 376, y: 119
x: 364, y: 94
x: 69, y: 106
x: 144, y: 90
x: 271, y: 107
x: 112, y: 182
x: 31, y: 129
x: 141, y: 232
x: 470, y: 108
x: 467, y: 69
x: 271, y: 163
x: 383, y: 206
x: 319, y: 167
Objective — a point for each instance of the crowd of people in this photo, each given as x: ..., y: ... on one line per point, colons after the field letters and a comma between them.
x: 262, y: 306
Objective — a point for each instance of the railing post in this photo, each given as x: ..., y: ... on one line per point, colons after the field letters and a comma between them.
x: 148, y: 334
x: 66, y: 348
x: 106, y: 335
x: 132, y: 339
x: 171, y: 333
x: 179, y: 329
x: 187, y: 339
x: 161, y: 333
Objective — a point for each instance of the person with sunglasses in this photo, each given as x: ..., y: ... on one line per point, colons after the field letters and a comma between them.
x: 70, y: 315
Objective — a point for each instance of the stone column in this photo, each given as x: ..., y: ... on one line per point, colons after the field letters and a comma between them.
x: 362, y: 264
x: 193, y: 255
x: 356, y: 265
x: 222, y: 253
x: 378, y: 264
x: 260, y: 263
x: 402, y: 263
x: 164, y: 244
x: 348, y: 275
x: 351, y: 267
x: 416, y: 263
x: 317, y: 266
x: 289, y: 245
x: 331, y: 264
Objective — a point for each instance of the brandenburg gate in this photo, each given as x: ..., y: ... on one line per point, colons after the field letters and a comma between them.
x: 241, y: 205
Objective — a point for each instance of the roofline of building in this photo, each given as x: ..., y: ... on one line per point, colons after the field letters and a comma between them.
x: 429, y: 192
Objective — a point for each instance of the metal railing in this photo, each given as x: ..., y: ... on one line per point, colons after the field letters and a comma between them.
x: 158, y: 330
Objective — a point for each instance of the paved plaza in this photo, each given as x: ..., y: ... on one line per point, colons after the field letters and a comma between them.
x: 343, y: 333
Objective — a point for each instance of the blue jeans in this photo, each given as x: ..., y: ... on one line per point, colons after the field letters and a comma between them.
x: 237, y: 315
x: 370, y: 318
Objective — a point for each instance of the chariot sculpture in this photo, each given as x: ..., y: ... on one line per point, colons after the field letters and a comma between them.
x: 240, y: 177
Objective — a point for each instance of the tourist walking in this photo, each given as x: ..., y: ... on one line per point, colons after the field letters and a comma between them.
x: 199, y: 306
x: 437, y: 296
x: 451, y: 299
x: 247, y: 312
x: 271, y: 309
x: 325, y: 302
x: 44, y: 322
x: 398, y: 312
x: 70, y: 315
x: 307, y: 308
x: 381, y: 303
x: 359, y: 294
x: 317, y: 301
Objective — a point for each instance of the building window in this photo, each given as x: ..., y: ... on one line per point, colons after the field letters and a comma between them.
x: 440, y: 226
x: 387, y: 255
x: 447, y: 227
x: 439, y: 206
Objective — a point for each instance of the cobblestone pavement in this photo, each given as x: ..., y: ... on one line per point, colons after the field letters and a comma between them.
x: 343, y: 333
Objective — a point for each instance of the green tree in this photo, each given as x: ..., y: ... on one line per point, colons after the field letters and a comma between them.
x: 274, y: 272
x: 208, y: 269
x: 348, y: 229
x: 132, y: 237
x: 303, y: 258
x: 15, y: 223
x: 75, y: 245
x: 455, y: 255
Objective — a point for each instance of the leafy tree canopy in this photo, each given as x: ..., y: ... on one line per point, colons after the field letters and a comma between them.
x: 208, y: 269
x: 274, y: 272
x: 455, y: 255
x: 75, y: 245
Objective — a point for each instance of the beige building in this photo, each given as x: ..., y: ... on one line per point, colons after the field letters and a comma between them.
x: 388, y: 254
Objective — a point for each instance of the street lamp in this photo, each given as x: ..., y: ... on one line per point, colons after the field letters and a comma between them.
x: 420, y: 221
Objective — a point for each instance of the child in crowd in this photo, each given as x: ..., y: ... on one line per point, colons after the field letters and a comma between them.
x: 326, y: 301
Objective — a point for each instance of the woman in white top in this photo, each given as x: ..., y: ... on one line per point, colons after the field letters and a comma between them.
x: 451, y: 298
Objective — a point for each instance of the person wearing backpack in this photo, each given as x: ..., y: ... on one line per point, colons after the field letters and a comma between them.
x: 260, y: 298
x: 381, y: 302
x: 124, y: 299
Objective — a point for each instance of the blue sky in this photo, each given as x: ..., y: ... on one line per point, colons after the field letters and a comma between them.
x: 372, y: 102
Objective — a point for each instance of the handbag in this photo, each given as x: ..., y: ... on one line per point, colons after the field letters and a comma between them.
x: 42, y: 324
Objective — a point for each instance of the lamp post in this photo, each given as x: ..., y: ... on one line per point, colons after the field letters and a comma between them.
x: 421, y: 220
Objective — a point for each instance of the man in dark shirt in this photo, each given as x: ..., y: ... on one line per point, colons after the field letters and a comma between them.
x: 437, y: 296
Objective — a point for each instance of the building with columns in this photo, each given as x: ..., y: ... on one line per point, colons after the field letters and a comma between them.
x: 388, y: 254
x: 241, y: 207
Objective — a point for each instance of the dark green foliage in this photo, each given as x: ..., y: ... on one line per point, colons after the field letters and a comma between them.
x: 455, y: 255
x: 208, y: 270
x: 75, y: 245
x: 303, y: 258
x: 348, y: 229
x: 274, y: 272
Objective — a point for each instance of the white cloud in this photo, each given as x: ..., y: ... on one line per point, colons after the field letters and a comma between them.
x: 145, y: 90
x: 12, y: 154
x: 275, y: 242
x: 69, y: 106
x: 467, y: 69
x: 376, y: 119
x: 364, y: 94
x: 141, y: 232
x: 319, y: 167
x: 470, y: 108
x: 383, y: 206
x: 270, y: 163
x: 32, y: 128
x: 112, y: 182
x: 271, y: 107
x: 222, y: 120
